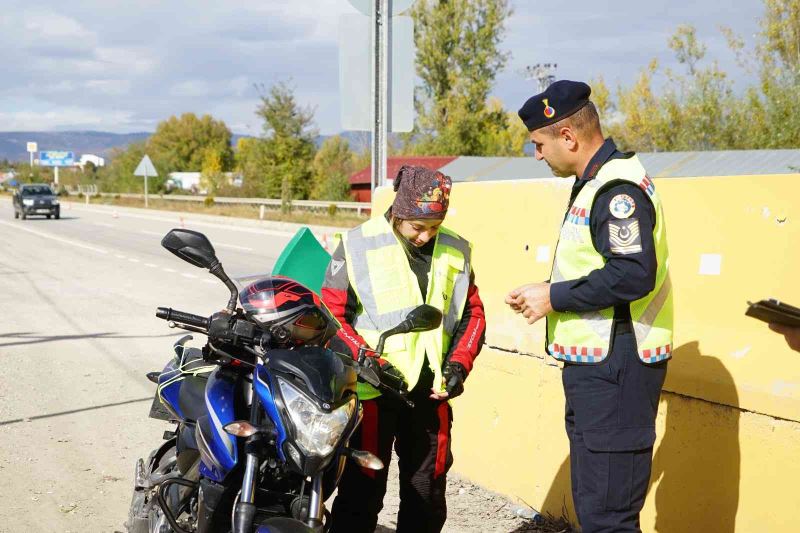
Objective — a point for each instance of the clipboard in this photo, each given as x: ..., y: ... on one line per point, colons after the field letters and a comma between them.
x: 774, y: 311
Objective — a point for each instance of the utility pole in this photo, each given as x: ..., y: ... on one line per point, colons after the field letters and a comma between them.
x: 380, y: 28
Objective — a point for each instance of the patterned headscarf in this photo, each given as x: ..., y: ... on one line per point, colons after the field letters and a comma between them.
x: 421, y: 193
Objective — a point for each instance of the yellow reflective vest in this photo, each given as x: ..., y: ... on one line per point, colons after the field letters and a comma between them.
x: 387, y: 290
x: 586, y: 337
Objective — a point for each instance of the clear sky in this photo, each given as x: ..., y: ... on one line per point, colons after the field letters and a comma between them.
x: 123, y: 66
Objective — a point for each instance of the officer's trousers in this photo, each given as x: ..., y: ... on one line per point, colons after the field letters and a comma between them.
x: 610, y: 422
x: 421, y: 437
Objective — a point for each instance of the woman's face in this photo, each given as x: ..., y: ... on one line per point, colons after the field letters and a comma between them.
x: 419, y: 232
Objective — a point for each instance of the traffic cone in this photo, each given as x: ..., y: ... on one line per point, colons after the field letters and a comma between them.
x: 114, y: 215
x: 325, y: 242
x: 182, y: 222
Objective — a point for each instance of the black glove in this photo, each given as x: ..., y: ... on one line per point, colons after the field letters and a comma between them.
x: 454, y: 376
x: 388, y: 373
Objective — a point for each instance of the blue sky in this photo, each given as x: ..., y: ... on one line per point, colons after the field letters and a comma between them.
x: 123, y: 66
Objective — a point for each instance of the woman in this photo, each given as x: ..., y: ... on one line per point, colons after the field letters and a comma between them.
x: 378, y: 272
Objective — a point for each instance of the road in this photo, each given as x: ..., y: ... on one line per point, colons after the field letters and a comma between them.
x: 78, y: 334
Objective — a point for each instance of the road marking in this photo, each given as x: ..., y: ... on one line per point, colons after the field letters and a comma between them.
x: 54, y: 238
x: 120, y: 256
x: 232, y: 246
x: 168, y: 270
x: 190, y: 276
x: 179, y: 215
x: 210, y: 281
x: 151, y: 265
x: 133, y: 260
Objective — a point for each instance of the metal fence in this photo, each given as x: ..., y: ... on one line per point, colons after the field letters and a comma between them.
x: 360, y: 208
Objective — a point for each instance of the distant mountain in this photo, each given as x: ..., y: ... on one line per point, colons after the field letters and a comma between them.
x: 13, y: 144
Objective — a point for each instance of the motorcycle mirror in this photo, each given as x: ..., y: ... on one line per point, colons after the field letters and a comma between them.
x: 422, y: 318
x: 191, y: 246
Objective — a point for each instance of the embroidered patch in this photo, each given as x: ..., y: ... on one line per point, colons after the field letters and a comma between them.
x: 622, y: 206
x: 624, y: 236
x: 549, y: 112
x: 336, y: 266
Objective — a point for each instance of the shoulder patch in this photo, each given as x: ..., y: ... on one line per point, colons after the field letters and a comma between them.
x: 624, y: 236
x: 622, y: 206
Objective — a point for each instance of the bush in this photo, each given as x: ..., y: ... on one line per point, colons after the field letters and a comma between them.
x: 209, y: 201
x: 332, y: 210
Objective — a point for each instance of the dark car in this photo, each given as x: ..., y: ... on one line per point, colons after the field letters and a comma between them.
x: 36, y: 199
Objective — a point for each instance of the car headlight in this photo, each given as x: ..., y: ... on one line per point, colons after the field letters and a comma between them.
x: 27, y: 202
x: 317, y: 432
x: 54, y: 202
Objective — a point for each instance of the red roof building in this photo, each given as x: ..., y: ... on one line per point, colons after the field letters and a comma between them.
x: 360, y: 181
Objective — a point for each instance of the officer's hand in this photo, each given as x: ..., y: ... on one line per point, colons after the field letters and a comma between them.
x: 532, y: 300
x: 792, y: 335
x: 454, y: 376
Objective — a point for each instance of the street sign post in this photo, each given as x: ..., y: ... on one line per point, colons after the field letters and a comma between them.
x: 376, y: 74
x: 32, y: 148
x: 56, y: 159
x: 145, y: 168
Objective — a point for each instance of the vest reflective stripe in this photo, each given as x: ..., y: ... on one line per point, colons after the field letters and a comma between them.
x: 586, y: 337
x: 388, y: 289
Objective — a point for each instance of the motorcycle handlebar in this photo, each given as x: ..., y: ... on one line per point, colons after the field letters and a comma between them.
x: 169, y: 314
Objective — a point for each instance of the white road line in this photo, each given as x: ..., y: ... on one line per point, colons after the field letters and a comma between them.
x: 62, y: 240
x: 168, y: 270
x: 190, y: 276
x: 210, y: 281
x: 133, y: 260
x: 151, y: 265
x: 232, y: 247
x: 189, y: 222
x: 120, y: 256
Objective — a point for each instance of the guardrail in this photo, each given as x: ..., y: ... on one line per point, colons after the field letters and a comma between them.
x: 310, y: 205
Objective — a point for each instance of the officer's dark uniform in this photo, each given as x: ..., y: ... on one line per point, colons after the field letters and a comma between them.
x: 610, y: 478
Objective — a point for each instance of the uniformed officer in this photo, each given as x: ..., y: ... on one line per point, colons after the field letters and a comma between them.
x: 608, y: 306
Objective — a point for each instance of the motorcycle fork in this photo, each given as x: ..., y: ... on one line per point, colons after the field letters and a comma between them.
x: 245, y: 511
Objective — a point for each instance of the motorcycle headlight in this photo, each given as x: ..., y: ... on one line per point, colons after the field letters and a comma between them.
x: 317, y: 432
x: 27, y: 201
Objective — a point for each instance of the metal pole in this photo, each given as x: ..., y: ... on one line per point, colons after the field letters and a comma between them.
x: 380, y: 38
x: 56, y: 175
x: 31, y: 159
x: 145, y: 185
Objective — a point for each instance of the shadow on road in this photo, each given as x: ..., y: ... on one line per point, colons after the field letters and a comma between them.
x: 27, y: 337
x: 73, y: 411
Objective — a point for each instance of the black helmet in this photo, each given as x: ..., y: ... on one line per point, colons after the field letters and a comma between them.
x: 292, y: 313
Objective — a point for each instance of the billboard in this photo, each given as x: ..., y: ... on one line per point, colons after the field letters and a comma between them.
x: 53, y: 158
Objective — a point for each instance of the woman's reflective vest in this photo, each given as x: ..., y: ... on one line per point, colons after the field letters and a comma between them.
x: 387, y: 290
x: 586, y: 337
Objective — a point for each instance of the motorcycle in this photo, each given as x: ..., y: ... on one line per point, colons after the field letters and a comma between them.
x: 262, y: 413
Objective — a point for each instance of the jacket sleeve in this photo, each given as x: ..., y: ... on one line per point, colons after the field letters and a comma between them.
x: 471, y: 330
x: 341, y: 299
x: 629, y: 272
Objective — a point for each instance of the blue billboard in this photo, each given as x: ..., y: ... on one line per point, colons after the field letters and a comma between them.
x: 54, y: 158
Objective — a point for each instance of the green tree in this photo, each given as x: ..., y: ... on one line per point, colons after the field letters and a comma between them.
x: 117, y: 175
x: 180, y: 144
x: 211, y: 177
x: 286, y: 153
x: 333, y: 165
x: 457, y: 59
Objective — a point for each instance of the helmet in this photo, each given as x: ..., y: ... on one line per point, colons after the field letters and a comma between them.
x: 292, y: 313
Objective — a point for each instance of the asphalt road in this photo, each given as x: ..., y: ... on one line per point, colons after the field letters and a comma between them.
x: 77, y: 335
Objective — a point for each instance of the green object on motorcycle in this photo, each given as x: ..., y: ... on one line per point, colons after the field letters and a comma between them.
x: 303, y: 260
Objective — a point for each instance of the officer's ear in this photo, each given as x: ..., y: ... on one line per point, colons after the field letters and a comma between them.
x: 569, y: 138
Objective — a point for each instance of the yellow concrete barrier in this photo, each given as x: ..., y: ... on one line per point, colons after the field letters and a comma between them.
x: 728, y: 451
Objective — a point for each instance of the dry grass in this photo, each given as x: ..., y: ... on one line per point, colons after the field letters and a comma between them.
x: 344, y: 220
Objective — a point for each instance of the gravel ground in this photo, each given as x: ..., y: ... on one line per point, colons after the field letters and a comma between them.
x: 471, y: 509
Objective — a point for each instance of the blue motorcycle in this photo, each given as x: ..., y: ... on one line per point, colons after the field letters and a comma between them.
x: 262, y: 413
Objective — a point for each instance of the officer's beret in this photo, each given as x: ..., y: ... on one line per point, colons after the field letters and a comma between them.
x: 560, y: 100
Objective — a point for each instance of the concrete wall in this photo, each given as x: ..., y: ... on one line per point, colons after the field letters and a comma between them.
x: 728, y: 451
